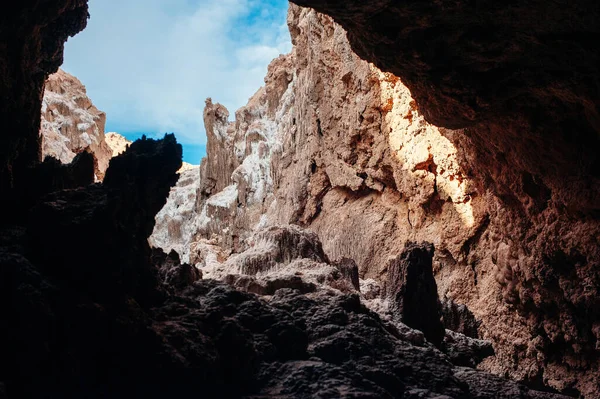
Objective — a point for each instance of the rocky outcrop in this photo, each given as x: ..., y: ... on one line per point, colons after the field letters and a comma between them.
x: 512, y: 243
x: 413, y: 292
x: 459, y: 318
x: 151, y: 326
x: 66, y: 308
x: 117, y: 143
x: 71, y: 123
x: 339, y: 147
x: 348, y: 153
x: 176, y: 223
x: 278, y: 257
x: 519, y: 82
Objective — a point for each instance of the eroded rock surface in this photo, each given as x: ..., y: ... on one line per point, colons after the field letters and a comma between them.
x: 335, y: 145
x: 517, y: 242
x: 33, y: 35
x: 71, y: 123
x: 176, y: 223
x: 278, y: 257
x: 117, y: 143
x: 525, y: 90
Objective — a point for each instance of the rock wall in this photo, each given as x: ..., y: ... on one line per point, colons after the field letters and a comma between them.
x: 71, y: 123
x: 33, y: 34
x: 526, y: 90
x: 335, y: 145
x: 331, y: 136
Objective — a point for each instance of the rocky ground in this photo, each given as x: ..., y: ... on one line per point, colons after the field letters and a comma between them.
x: 134, y: 321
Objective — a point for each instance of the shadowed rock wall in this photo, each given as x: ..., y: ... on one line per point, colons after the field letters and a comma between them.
x: 33, y: 34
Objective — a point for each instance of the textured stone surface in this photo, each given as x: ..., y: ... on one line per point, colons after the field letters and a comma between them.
x: 149, y: 326
x: 279, y: 257
x: 459, y: 318
x: 354, y: 160
x: 71, y: 123
x: 465, y: 351
x: 525, y: 85
x: 176, y: 223
x: 71, y: 310
x: 525, y: 89
x: 333, y: 144
x: 515, y: 229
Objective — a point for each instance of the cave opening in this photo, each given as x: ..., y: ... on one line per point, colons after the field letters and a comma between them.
x: 381, y: 218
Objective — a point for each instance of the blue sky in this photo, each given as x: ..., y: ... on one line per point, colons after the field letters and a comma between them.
x: 150, y: 64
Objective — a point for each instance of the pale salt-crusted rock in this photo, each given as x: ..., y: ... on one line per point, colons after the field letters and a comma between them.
x: 71, y: 123
x: 176, y: 223
x: 277, y: 257
x: 117, y: 143
x: 236, y: 185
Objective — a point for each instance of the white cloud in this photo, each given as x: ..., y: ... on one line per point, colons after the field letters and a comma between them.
x: 150, y: 64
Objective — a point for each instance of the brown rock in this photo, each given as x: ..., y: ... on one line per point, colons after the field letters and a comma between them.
x: 71, y: 123
x: 459, y: 318
x: 522, y: 85
x: 340, y: 147
x: 349, y: 270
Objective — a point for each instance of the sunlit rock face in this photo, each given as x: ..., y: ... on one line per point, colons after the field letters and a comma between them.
x: 526, y: 90
x: 117, y: 143
x: 522, y: 77
x: 333, y: 144
x: 71, y: 123
x: 122, y: 320
x: 339, y: 147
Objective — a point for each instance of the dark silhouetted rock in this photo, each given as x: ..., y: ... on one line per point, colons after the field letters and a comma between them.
x: 144, y: 175
x: 33, y: 35
x: 524, y: 90
x: 459, y: 318
x: 465, y: 351
x: 108, y: 225
x: 172, y: 272
x: 412, y: 291
x: 349, y: 270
